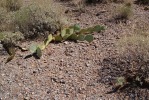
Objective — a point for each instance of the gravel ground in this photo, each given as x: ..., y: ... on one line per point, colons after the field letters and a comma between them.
x: 67, y: 71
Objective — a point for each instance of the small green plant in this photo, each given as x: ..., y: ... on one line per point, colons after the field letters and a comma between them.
x: 118, y: 85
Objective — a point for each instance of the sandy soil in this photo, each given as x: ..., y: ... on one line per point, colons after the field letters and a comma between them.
x: 68, y: 71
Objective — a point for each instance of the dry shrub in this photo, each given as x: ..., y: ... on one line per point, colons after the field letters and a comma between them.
x: 6, y: 20
x: 123, y: 12
x: 134, y: 50
x: 136, y: 45
x: 132, y: 64
x: 11, y: 5
x: 40, y: 17
x: 3, y: 13
x: 35, y: 18
x: 11, y: 37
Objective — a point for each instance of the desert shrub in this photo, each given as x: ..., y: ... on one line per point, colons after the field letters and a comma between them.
x: 135, y: 48
x: 31, y: 21
x: 3, y: 13
x: 123, y: 12
x: 34, y: 19
x: 131, y: 65
x: 136, y: 45
x: 11, y: 36
x: 6, y: 20
x: 11, y: 5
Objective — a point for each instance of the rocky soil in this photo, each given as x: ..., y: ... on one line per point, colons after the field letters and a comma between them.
x: 68, y: 70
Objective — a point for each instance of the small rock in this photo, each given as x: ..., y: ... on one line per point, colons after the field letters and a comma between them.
x: 87, y: 64
x: 49, y: 91
x: 66, y: 42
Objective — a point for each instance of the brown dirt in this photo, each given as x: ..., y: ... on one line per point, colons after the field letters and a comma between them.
x: 68, y: 71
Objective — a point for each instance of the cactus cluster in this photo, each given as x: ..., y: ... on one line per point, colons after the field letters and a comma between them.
x: 70, y: 33
x: 73, y: 33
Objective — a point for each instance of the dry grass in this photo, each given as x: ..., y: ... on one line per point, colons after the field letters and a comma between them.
x: 136, y: 46
x: 137, y: 42
x: 123, y: 12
